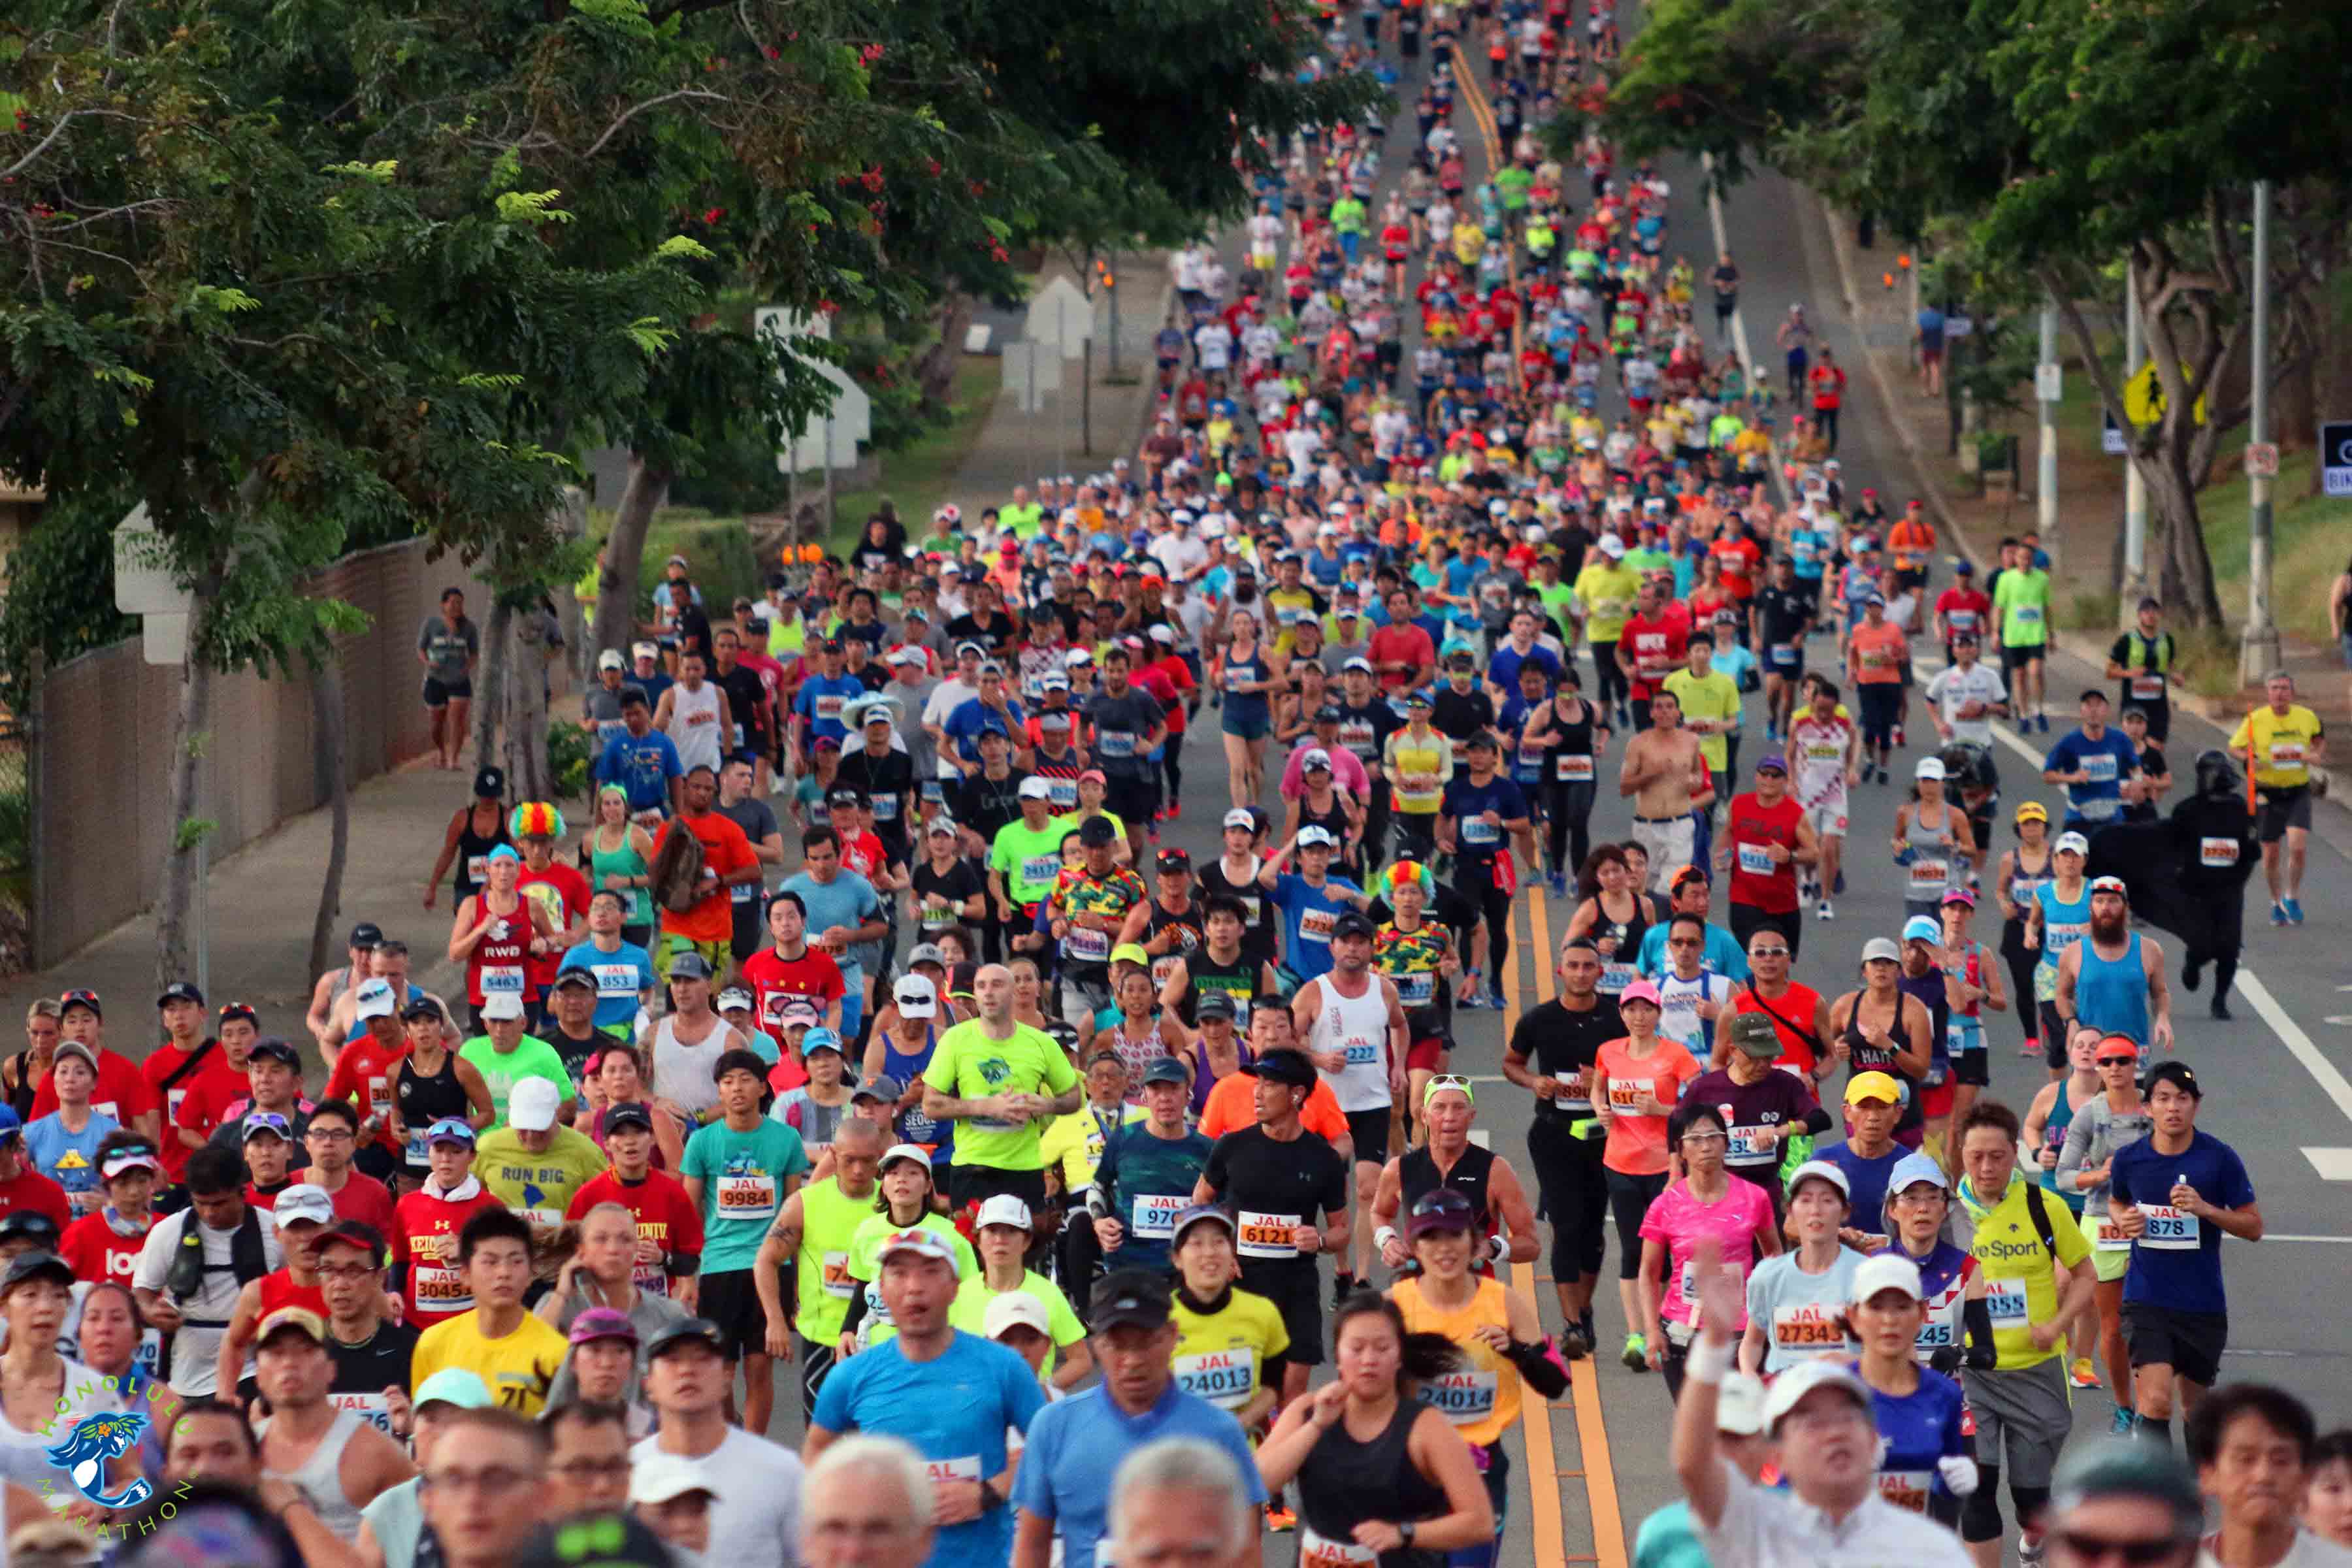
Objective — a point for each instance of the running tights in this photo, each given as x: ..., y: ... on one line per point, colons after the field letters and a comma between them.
x: 1629, y: 1199
x: 1609, y: 682
x: 1474, y: 881
x: 1570, y: 815
x: 1574, y: 1188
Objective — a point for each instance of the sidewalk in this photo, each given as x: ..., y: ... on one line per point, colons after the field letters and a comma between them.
x: 1018, y: 448
x: 262, y: 902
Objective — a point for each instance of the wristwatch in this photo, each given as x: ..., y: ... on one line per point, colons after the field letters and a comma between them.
x: 1405, y: 1534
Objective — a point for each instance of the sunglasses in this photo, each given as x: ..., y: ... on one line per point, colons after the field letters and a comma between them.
x: 1449, y: 1080
x: 1768, y: 952
x: 2140, y: 1552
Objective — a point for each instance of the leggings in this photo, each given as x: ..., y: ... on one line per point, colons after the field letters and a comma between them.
x: 1980, y: 1509
x: 1573, y: 1187
x: 1880, y: 700
x: 1569, y: 813
x: 1376, y: 829
x: 817, y: 1361
x: 1474, y: 881
x: 1629, y: 1199
x: 1608, y: 679
x: 1416, y: 835
x: 2022, y: 963
x: 1171, y: 762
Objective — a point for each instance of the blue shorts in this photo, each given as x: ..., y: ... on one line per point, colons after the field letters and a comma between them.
x: 1248, y: 728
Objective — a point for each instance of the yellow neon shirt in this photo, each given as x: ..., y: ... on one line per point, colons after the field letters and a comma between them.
x: 2020, y: 1278
x: 519, y: 1367
x: 2280, y: 745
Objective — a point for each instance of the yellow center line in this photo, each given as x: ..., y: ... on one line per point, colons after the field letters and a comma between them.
x: 1490, y: 132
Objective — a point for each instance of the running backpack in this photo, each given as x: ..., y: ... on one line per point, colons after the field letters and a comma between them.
x: 676, y: 870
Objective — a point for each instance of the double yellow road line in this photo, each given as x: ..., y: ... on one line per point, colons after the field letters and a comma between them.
x: 1466, y: 77
x: 1598, y: 1474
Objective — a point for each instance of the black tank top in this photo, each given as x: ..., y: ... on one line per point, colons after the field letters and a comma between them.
x: 1418, y: 1173
x: 1570, y: 740
x: 1342, y: 1483
x: 424, y: 1098
x: 1867, y: 1058
x: 1335, y: 820
x: 1187, y: 927
x: 472, y: 850
x: 1257, y: 933
x: 20, y: 1099
x: 1238, y: 980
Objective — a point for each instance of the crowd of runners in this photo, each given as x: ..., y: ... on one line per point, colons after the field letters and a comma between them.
x: 867, y: 1027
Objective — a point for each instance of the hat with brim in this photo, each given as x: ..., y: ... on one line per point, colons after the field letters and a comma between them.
x: 1283, y: 1065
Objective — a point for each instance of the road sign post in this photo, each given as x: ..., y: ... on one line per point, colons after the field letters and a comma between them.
x: 2258, y: 650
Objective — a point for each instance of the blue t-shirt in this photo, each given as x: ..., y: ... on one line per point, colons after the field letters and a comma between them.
x: 1721, y: 955
x: 70, y: 1159
x: 1504, y: 669
x: 848, y: 900
x: 1917, y: 1429
x: 742, y: 1176
x: 618, y: 976
x: 953, y: 1410
x: 2176, y: 1260
x: 820, y: 701
x: 1307, y: 916
x: 972, y: 718
x: 1075, y: 1446
x: 1868, y: 1179
x: 1466, y: 803
x: 2109, y: 759
x: 643, y: 765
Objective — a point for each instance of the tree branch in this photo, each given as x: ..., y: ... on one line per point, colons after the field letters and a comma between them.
x: 27, y: 162
x: 612, y: 130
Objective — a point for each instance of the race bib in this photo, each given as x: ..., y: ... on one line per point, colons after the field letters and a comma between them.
x: 2028, y: 615
x: 1321, y: 1552
x: 1572, y: 770
x: 371, y: 1408
x: 1065, y: 796
x: 1752, y: 1145
x: 502, y: 980
x: 477, y: 868
x: 1154, y: 1217
x: 1478, y: 830
x: 1037, y: 870
x: 2169, y: 1229
x: 1625, y: 1094
x: 1755, y: 859
x: 1268, y: 1235
x: 1935, y: 1334
x: 2217, y: 851
x: 1225, y: 1379
x: 418, y: 1153
x: 2286, y: 753
x: 1928, y: 877
x: 2100, y: 768
x: 2147, y: 688
x: 1314, y: 925
x: 1115, y: 742
x: 615, y: 980
x: 964, y: 1469
x: 1084, y: 944
x: 828, y: 707
x: 1615, y: 977
x: 1464, y: 1398
x: 2005, y: 1300
x: 2107, y: 1234
x: 833, y: 1274
x: 1362, y: 1053
x: 886, y: 807
x: 441, y: 1289
x: 1904, y: 1489
x: 747, y: 1197
x: 1807, y: 1330
x: 1415, y: 989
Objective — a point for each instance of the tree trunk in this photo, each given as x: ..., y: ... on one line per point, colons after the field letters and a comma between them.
x: 490, y: 690
x: 2186, y: 580
x: 625, y: 548
x: 935, y: 370
x: 327, y: 712
x: 527, y: 706
x: 190, y: 733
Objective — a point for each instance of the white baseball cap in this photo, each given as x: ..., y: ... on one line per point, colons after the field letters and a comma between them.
x: 373, y: 999
x: 1929, y: 768
x: 917, y: 996
x: 1004, y: 1208
x: 1739, y: 1403
x: 665, y: 1478
x: 1014, y: 1309
x: 1239, y: 817
x: 305, y: 1201
x: 1035, y: 787
x: 1887, y: 1271
x: 1793, y: 1385
x: 532, y: 1104
x: 501, y: 1004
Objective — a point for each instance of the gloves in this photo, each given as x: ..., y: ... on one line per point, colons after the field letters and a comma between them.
x: 1945, y: 1359
x: 1959, y: 1473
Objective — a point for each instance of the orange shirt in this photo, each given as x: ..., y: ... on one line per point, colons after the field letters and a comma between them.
x: 1875, y: 654
x: 724, y: 850
x: 1229, y: 1106
x: 1637, y: 1144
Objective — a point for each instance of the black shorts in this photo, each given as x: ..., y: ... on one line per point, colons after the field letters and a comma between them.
x: 731, y: 1301
x: 968, y: 1185
x: 2054, y: 1035
x: 1133, y: 801
x: 1973, y: 1066
x: 2014, y: 658
x: 1296, y: 1291
x: 2188, y: 1342
x: 2281, y: 809
x: 1368, y: 1129
x: 438, y: 693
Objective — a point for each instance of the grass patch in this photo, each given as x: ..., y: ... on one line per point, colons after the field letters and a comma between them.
x: 918, y: 479
x: 2092, y: 612
x: 717, y: 553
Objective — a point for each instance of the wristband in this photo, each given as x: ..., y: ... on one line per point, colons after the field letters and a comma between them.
x: 1708, y: 1361
x: 1383, y: 1236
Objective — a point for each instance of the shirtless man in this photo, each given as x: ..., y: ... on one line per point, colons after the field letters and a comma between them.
x: 1666, y: 774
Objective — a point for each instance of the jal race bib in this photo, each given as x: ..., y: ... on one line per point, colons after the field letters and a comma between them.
x: 2169, y: 1229
x: 1314, y: 925
x: 2147, y: 688
x: 1572, y: 769
x: 834, y: 1272
x: 1615, y: 977
x: 1752, y: 1145
x: 2005, y: 1300
x: 747, y: 1197
x: 1039, y: 869
x: 1154, y: 1215
x: 1415, y: 989
x: 1268, y: 1235
x: 2108, y: 1235
x: 1225, y: 1379
x: 1115, y: 742
x: 1807, y: 1330
x: 502, y: 980
x: 1066, y: 795
x: 1464, y: 1398
x: 615, y: 980
x: 1904, y: 1489
x: 1084, y: 944
x: 1928, y: 877
x: 2285, y: 753
x: 442, y: 1290
x: 1321, y: 1552
x: 371, y: 1408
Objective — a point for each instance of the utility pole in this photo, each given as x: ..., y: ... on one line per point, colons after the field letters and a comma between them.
x: 2258, y: 650
x: 2135, y: 583
x: 2046, y: 389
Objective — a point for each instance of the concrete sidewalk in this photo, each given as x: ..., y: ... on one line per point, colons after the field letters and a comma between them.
x: 263, y: 900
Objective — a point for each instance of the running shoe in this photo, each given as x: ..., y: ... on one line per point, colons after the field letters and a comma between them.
x: 1279, y: 1516
x: 1495, y: 998
x: 1343, y: 1285
x: 2029, y: 1550
x: 2294, y: 911
x: 2192, y: 974
x: 2121, y: 1426
x: 1899, y: 740
x: 1584, y: 1326
x: 1573, y: 1345
x: 1636, y: 1354
x: 2220, y: 1008
x: 2083, y: 1375
x: 1825, y: 912
x: 1558, y: 883
x: 2032, y: 1047
x: 2278, y: 913
x: 2042, y: 720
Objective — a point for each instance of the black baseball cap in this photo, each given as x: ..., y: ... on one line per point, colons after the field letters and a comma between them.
x: 628, y: 1113
x: 1283, y: 1065
x: 1096, y: 832
x: 421, y: 1006
x: 20, y: 1224
x: 79, y: 998
x: 1166, y: 1069
x: 669, y: 1336
x: 1174, y: 859
x: 180, y: 991
x: 579, y: 978
x: 1351, y: 922
x: 1214, y: 1004
x: 272, y: 1048
x: 1126, y: 1296
x: 42, y: 1264
x: 240, y: 1010
x: 367, y: 934
x: 490, y: 783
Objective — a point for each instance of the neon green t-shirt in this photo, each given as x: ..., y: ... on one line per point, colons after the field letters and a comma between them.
x: 2021, y: 600
x: 2020, y: 1278
x: 969, y: 1064
x: 1609, y: 591
x: 1716, y: 696
x: 969, y: 1311
x: 1028, y: 859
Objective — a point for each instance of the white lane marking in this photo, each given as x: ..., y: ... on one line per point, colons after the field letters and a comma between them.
x: 2333, y: 1165
x: 2331, y: 1240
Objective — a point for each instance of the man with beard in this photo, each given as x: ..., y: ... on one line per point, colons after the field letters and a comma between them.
x: 2113, y: 980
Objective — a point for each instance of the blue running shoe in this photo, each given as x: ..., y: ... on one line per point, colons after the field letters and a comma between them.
x: 2121, y: 1426
x: 2278, y: 913
x: 2294, y: 911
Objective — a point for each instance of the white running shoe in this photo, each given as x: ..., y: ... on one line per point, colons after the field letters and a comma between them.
x: 1825, y: 912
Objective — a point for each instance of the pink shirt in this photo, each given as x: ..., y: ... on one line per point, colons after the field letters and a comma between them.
x: 1743, y: 1214
x: 1348, y: 776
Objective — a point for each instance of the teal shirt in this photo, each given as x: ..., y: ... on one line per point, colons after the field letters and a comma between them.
x: 744, y: 1175
x: 1669, y: 1539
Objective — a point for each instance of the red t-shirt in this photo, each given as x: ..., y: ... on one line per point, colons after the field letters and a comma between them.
x: 363, y: 1198
x: 424, y: 1237
x: 1964, y: 609
x: 208, y: 1092
x: 814, y: 977
x: 32, y: 1190
x: 563, y: 892
x: 665, y: 1216
x: 122, y: 1094
x: 162, y: 1062
x: 1752, y: 826
x: 1738, y: 558
x: 1656, y: 647
x: 724, y: 850
x: 363, y: 1075
x: 96, y: 1251
x: 1395, y: 643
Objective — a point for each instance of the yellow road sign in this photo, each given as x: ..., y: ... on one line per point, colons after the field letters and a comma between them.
x: 2144, y: 397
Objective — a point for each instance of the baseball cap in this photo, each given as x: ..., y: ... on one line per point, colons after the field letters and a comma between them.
x: 11, y: 1125
x: 1131, y: 952
x: 665, y: 1478
x: 1959, y: 896
x: 1825, y: 1170
x: 926, y: 953
x: 80, y: 997
x: 1188, y: 1217
x: 1886, y: 1271
x: 1439, y: 1210
x: 917, y: 996
x: 733, y: 999
x: 1639, y: 991
x: 821, y: 1039
x: 301, y: 1320
x: 1922, y: 928
x: 1740, y: 1404
x: 898, y: 1152
x: 1004, y: 1208
x: 1913, y: 1169
x: 1316, y: 757
x: 628, y: 1113
x: 1315, y: 836
x: 1213, y: 1005
x: 2111, y: 884
x: 572, y: 980
x: 1034, y: 787
x: 81, y: 1048
x: 1096, y: 833
x: 1173, y: 859
x: 2032, y: 811
x: 1014, y: 1309
x: 181, y: 990
x: 1880, y: 947
x: 1165, y: 1070
x: 603, y: 1324
x: 701, y: 1330
x: 452, y: 1130
x: 373, y: 999
x: 1133, y: 1296
x: 1283, y: 1065
x: 419, y: 1006
x: 453, y: 1385
x: 611, y: 660
x: 1754, y: 1033
x: 1929, y: 768
x: 2073, y: 841
x: 1612, y: 546
x: 359, y: 1234
x: 1802, y: 1379
x: 37, y: 1264
x: 881, y: 1087
x: 1872, y: 1085
x: 690, y: 967
x: 532, y: 1105
x: 924, y: 1244
x: 129, y: 1157
x: 506, y: 1006
x: 305, y: 1200
x: 2130, y: 1469
x: 1772, y: 761
x: 1239, y: 817
x: 260, y: 1122
x: 270, y: 1049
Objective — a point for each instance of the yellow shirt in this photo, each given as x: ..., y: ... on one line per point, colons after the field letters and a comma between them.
x: 538, y: 1186
x: 1716, y: 697
x: 1481, y: 1399
x: 1222, y: 1356
x: 519, y: 1367
x: 1608, y: 591
x: 1420, y: 769
x: 1074, y: 1144
x: 2020, y: 1278
x: 2280, y: 745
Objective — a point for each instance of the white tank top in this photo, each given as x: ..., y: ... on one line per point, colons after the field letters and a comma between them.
x: 1357, y: 1026
x: 694, y: 726
x: 320, y: 1477
x: 682, y: 1072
